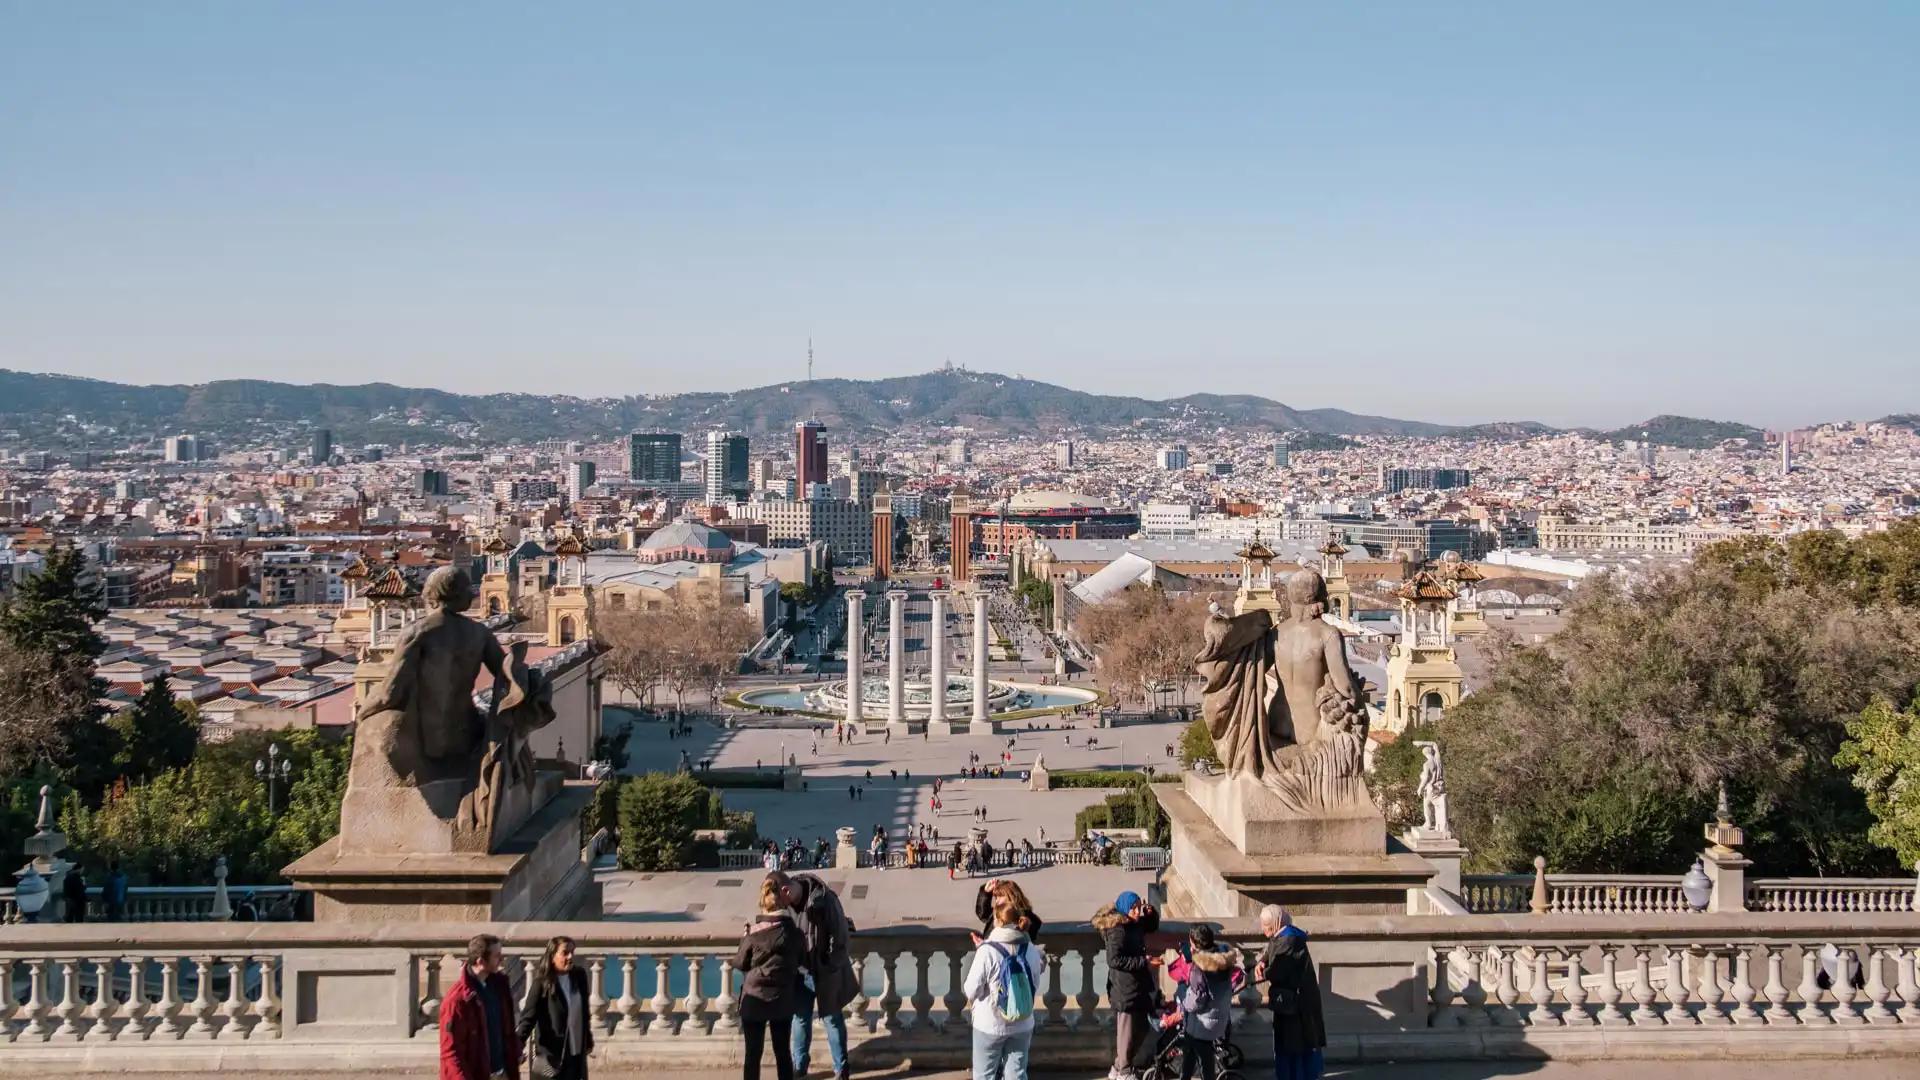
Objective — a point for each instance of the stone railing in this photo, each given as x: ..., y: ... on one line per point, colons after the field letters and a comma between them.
x: 175, y: 903
x: 1833, y: 894
x: 749, y: 859
x: 316, y: 998
x: 1599, y: 894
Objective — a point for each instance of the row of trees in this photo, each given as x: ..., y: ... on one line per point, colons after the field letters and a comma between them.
x: 687, y: 644
x: 1782, y: 669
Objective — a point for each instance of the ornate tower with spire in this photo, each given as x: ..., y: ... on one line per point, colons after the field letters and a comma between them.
x: 1423, y: 675
x: 567, y: 610
x: 497, y: 590
x: 1333, y: 570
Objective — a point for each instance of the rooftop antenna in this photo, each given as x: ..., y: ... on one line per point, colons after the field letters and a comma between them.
x: 809, y: 359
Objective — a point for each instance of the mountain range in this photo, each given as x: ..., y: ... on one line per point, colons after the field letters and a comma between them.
x: 61, y: 410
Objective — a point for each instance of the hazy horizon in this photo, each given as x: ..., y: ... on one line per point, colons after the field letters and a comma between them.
x: 1581, y: 217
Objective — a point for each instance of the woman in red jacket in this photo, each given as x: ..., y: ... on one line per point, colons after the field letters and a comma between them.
x: 477, y: 1038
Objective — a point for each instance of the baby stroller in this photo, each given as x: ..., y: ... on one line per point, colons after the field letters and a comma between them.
x: 1166, y: 1063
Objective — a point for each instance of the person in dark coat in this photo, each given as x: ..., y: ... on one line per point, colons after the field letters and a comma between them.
x: 983, y: 900
x: 477, y: 1036
x: 827, y: 983
x: 1131, y: 974
x: 771, y: 961
x: 554, y: 1024
x: 74, y: 892
x: 1293, y: 994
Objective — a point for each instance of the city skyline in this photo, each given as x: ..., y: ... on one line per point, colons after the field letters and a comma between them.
x: 1455, y: 216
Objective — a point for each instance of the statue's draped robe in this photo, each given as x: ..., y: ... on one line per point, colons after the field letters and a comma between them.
x: 1241, y: 702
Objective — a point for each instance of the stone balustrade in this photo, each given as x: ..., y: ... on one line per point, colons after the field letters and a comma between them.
x: 750, y: 858
x: 332, y: 998
x: 172, y: 903
x: 1635, y: 894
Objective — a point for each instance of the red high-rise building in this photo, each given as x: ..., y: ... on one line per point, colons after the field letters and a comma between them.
x: 809, y: 455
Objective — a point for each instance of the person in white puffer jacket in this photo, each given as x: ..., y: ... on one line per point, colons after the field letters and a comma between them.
x: 1002, y: 984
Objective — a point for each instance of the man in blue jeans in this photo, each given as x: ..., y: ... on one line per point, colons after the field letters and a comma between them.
x: 827, y: 983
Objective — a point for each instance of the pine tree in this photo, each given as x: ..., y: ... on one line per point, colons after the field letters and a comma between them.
x: 51, y: 615
x: 157, y: 733
x: 53, y: 611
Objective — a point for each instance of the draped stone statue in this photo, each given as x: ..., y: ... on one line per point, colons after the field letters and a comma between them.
x: 1282, y: 703
x: 1433, y: 792
x: 431, y: 772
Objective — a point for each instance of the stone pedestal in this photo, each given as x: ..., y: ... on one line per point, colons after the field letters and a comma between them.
x: 1726, y: 867
x: 1235, y: 849
x: 1446, y: 854
x: 846, y: 854
x: 536, y: 873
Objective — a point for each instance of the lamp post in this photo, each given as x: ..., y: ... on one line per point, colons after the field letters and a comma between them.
x: 274, y: 770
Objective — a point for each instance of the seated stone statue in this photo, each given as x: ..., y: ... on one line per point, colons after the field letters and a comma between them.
x: 432, y: 773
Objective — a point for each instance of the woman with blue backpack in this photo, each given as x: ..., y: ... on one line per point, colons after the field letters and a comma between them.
x: 1001, y: 984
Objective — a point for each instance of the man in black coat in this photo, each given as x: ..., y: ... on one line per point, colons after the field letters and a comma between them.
x: 1131, y: 974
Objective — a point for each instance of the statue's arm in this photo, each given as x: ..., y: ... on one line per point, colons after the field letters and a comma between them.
x: 1343, y: 677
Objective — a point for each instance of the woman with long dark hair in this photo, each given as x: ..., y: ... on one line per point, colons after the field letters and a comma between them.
x: 556, y: 1016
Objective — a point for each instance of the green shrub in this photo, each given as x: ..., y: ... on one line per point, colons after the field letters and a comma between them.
x: 1092, y: 818
x: 658, y: 813
x: 1196, y: 743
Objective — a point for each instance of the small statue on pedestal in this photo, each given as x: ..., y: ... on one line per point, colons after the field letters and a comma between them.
x: 1433, y: 791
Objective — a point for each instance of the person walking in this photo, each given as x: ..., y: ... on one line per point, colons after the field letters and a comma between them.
x: 1293, y: 994
x: 770, y: 962
x: 1124, y: 926
x: 478, y: 1040
x: 1205, y: 996
x: 1001, y: 985
x: 554, y: 1026
x: 827, y: 982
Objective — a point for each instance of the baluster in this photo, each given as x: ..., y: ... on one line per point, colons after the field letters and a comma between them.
x: 100, y: 1012
x: 1710, y: 990
x: 203, y: 1003
x: 437, y: 973
x: 597, y: 995
x: 1088, y: 999
x: 8, y: 1006
x: 922, y: 996
x: 726, y: 1005
x: 1677, y: 1011
x: 1610, y: 986
x: 1541, y: 993
x: 38, y: 1013
x: 662, y: 1003
x: 955, y: 1021
x: 1473, y: 993
x: 1776, y: 988
x: 1644, y: 994
x: 1877, y: 988
x: 1441, y: 1014
x: 70, y: 1004
x: 1743, y: 991
x: 1908, y: 987
x: 626, y: 1008
x: 889, y: 991
x: 857, y: 1008
x: 266, y: 1004
x: 1811, y: 1011
x: 696, y: 1000
x: 170, y: 1010
x: 235, y: 1007
x: 1576, y: 992
x: 1505, y: 989
x: 1844, y: 1011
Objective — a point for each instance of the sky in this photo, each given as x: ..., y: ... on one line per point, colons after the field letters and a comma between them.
x: 1457, y: 212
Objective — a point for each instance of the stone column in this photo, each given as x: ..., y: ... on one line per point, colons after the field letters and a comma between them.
x: 856, y: 652
x: 896, y: 657
x: 1726, y: 867
x: 937, y: 703
x: 979, y: 657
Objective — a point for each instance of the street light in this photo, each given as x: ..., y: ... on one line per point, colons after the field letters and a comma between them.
x: 274, y: 770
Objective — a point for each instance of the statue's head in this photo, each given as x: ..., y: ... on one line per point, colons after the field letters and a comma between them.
x: 1307, y: 593
x: 448, y: 589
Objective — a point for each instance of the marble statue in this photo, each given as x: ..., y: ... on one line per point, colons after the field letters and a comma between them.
x: 1433, y: 790
x: 421, y: 739
x: 1282, y: 703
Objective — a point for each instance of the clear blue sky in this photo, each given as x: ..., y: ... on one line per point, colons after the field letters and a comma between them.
x: 1446, y: 211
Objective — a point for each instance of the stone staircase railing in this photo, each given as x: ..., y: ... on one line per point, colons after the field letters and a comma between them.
x: 1598, y: 894
x: 168, y: 903
x: 1833, y: 894
x: 317, y: 998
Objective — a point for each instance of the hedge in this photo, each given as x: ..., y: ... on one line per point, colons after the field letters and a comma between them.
x: 1108, y: 778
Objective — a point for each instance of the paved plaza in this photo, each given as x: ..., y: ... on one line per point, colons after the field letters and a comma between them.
x: 903, y: 770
